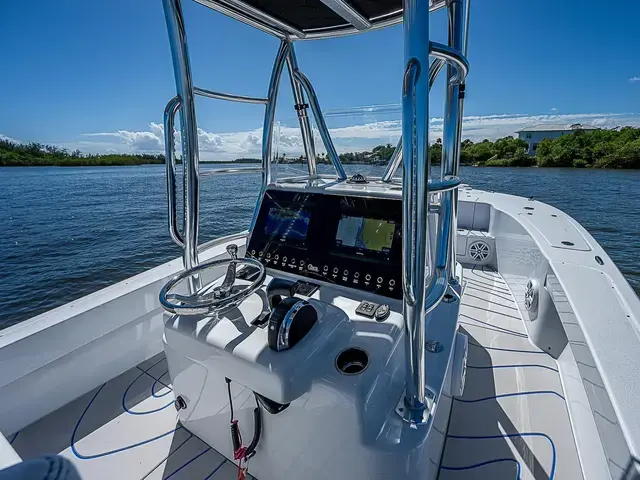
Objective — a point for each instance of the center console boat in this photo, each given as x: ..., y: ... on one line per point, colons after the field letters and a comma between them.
x: 383, y: 327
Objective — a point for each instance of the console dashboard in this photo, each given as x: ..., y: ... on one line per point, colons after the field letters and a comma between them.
x: 345, y: 240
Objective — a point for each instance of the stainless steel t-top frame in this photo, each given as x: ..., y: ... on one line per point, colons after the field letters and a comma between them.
x: 426, y: 277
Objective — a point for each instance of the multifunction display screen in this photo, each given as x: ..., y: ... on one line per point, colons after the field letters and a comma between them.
x: 365, y: 233
x: 287, y: 224
x: 342, y: 239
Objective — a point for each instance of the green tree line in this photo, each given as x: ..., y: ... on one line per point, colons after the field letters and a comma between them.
x: 36, y: 154
x: 615, y: 148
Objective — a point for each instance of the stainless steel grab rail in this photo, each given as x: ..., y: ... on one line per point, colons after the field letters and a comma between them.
x: 322, y: 126
x: 301, y: 107
x: 396, y: 158
x: 394, y: 163
x: 452, y: 129
x: 170, y: 162
x: 415, y: 235
x: 434, y: 70
x: 230, y: 171
x: 445, y: 185
x: 229, y: 96
x: 424, y: 288
x: 452, y: 56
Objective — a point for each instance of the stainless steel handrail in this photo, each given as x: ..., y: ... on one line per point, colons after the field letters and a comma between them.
x: 415, y: 235
x: 230, y: 171
x: 189, y: 129
x: 170, y: 162
x: 396, y: 158
x: 301, y: 109
x: 445, y: 185
x: 322, y: 126
x: 394, y: 163
x: 451, y: 56
x: 434, y: 70
x: 424, y: 287
x: 267, y: 128
x: 452, y: 130
x: 229, y: 96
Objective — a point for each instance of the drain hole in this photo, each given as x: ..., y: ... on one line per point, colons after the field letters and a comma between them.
x: 570, y: 244
x: 352, y: 361
x: 528, y: 208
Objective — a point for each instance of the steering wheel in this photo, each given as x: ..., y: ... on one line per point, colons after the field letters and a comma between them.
x: 217, y: 299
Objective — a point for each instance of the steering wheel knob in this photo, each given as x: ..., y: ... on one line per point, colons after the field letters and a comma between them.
x: 232, y: 250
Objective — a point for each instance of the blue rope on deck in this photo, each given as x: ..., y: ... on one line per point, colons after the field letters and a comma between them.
x: 506, y: 395
x: 506, y: 435
x: 110, y: 452
x: 156, y: 380
x: 488, y: 462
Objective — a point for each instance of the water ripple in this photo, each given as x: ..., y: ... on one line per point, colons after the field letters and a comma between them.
x: 68, y: 232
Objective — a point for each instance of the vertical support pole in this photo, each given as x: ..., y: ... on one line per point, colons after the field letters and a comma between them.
x: 188, y: 128
x: 301, y: 109
x: 267, y: 127
x: 396, y: 158
x: 394, y: 163
x: 321, y: 124
x: 452, y: 130
x: 415, y: 237
x: 270, y: 111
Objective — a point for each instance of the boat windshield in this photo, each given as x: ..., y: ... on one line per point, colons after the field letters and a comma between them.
x: 364, y: 138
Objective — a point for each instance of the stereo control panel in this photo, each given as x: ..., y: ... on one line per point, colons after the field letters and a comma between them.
x: 350, y: 241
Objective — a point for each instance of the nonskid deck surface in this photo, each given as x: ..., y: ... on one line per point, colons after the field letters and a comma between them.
x: 512, y: 421
x: 126, y: 429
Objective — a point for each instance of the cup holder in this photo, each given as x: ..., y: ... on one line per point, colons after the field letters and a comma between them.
x: 352, y: 361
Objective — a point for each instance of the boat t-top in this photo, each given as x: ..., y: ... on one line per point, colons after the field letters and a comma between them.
x: 406, y: 326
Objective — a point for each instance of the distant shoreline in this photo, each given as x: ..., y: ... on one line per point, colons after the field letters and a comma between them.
x: 617, y: 148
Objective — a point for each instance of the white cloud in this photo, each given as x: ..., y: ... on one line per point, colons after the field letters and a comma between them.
x: 358, y: 130
x: 9, y: 139
x: 634, y: 79
x: 554, y: 109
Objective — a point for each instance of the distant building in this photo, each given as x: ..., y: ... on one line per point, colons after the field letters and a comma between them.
x: 533, y: 135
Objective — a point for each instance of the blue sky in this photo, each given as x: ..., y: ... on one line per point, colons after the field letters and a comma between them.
x: 96, y: 75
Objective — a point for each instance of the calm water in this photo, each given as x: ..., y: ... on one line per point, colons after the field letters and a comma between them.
x: 67, y: 232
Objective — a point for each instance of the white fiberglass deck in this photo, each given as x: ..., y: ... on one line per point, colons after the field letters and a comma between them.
x: 127, y: 429
x: 512, y: 421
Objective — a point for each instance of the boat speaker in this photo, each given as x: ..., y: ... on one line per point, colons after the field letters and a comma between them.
x: 479, y: 251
